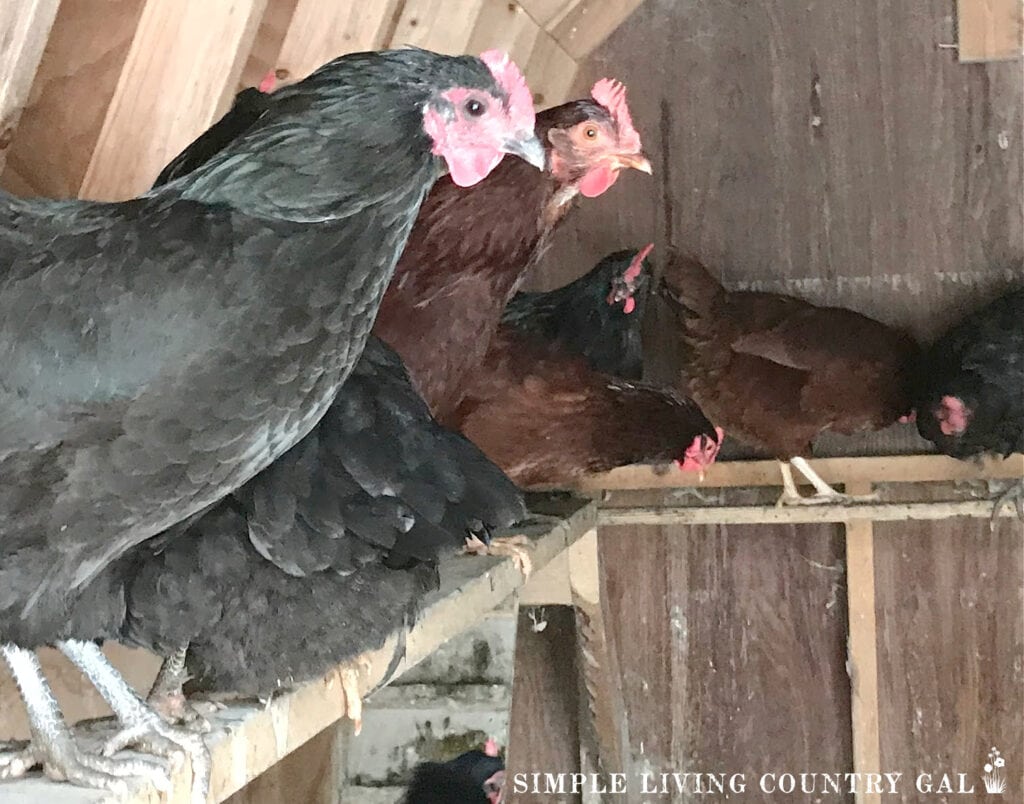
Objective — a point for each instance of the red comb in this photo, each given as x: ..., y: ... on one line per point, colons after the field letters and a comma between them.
x: 491, y: 747
x: 268, y: 82
x: 637, y: 264
x: 511, y: 79
x: 611, y: 94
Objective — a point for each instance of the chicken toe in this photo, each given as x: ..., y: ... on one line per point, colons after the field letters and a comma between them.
x: 824, y: 494
x: 53, y: 747
x: 1013, y: 496
x: 515, y: 547
x: 349, y: 676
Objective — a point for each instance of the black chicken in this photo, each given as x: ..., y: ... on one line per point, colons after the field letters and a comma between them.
x: 970, y: 386
x: 319, y: 557
x: 475, y: 777
x: 598, y: 316
x: 160, y: 352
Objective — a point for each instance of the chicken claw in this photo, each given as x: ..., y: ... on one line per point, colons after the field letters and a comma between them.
x: 1013, y: 496
x: 515, y: 547
x: 62, y: 760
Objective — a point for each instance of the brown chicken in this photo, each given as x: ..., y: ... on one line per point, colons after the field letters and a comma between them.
x: 470, y: 248
x: 541, y: 408
x: 776, y: 371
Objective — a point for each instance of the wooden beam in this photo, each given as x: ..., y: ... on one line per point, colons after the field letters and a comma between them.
x: 25, y: 27
x: 543, y: 722
x: 550, y: 71
x: 764, y: 514
x: 882, y: 469
x: 582, y: 25
x: 862, y: 661
x: 990, y: 30
x: 181, y: 71
x: 249, y: 738
x: 318, y: 32
x: 445, y: 26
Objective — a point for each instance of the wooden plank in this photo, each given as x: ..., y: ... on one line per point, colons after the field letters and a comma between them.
x: 732, y: 649
x: 544, y: 11
x: 182, y: 68
x: 249, y: 738
x: 25, y: 27
x: 266, y: 46
x: 989, y: 30
x: 77, y: 77
x: 309, y: 774
x: 445, y: 26
x: 950, y: 642
x: 543, y: 725
x: 550, y: 72
x: 763, y: 514
x: 504, y: 26
x: 582, y: 25
x: 888, y: 469
x: 603, y: 739
x: 318, y: 32
x: 862, y: 663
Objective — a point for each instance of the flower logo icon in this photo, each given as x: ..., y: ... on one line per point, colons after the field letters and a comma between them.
x: 994, y: 776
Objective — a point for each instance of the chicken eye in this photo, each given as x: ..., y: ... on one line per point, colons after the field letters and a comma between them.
x: 590, y: 133
x: 474, y: 107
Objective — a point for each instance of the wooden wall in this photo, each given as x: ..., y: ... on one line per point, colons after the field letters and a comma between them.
x: 832, y: 150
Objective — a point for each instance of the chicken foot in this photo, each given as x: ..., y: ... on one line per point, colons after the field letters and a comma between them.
x: 143, y: 727
x: 1014, y: 497
x: 515, y: 547
x: 824, y: 494
x: 52, y: 745
x: 167, y: 696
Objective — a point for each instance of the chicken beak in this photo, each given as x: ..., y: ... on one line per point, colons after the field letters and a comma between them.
x: 527, y: 147
x: 635, y: 161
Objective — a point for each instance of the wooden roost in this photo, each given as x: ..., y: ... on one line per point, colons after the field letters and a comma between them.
x: 95, y: 97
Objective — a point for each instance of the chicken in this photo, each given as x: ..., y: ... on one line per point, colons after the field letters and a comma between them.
x: 969, y: 394
x: 160, y: 352
x: 318, y: 558
x: 776, y: 371
x: 440, y: 320
x: 538, y: 408
x: 475, y: 777
x: 598, y: 316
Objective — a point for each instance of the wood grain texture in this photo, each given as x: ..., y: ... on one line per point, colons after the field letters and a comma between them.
x: 581, y: 25
x: 950, y: 642
x: 825, y: 149
x: 445, y: 26
x: 309, y: 774
x: 733, y: 648
x: 181, y: 72
x: 544, y: 725
x: 989, y: 30
x: 24, y: 28
x: 76, y: 80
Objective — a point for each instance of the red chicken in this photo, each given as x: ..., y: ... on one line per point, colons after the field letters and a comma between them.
x: 776, y: 371
x: 470, y: 249
x: 540, y: 407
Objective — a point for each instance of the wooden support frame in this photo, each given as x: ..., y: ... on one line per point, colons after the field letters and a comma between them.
x: 882, y: 469
x: 990, y: 30
x: 862, y: 653
x: 26, y: 25
x: 250, y: 738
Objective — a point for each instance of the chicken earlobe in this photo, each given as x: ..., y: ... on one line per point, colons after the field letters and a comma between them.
x: 53, y: 747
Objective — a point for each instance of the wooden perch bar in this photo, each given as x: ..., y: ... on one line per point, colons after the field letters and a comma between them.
x: 247, y: 739
x: 770, y: 514
x: 884, y: 469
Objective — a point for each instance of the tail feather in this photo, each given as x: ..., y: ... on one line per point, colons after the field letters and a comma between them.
x: 686, y: 282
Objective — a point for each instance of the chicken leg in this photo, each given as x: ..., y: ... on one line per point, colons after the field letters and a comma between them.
x: 824, y: 494
x: 348, y: 675
x: 143, y: 727
x: 515, y: 547
x: 167, y: 696
x: 52, y: 745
